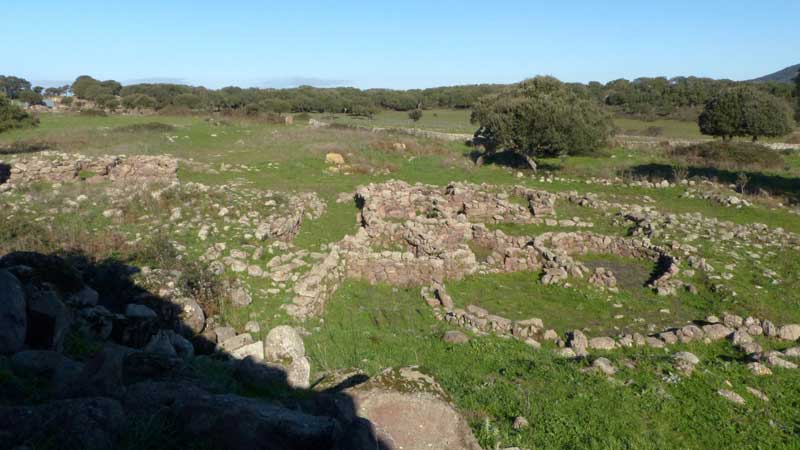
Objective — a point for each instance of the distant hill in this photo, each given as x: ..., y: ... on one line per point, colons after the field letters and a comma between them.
x: 783, y: 76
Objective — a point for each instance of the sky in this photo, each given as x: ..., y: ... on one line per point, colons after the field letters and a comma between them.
x: 393, y: 44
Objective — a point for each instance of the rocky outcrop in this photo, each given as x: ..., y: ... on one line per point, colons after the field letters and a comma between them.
x: 13, y: 320
x: 409, y: 411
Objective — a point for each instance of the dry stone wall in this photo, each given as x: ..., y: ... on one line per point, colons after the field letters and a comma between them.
x: 63, y: 167
x: 420, y: 234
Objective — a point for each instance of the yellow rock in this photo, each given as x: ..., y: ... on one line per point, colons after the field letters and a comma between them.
x: 334, y: 158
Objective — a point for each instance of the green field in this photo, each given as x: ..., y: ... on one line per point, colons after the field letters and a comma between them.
x: 457, y: 121
x: 443, y: 120
x: 491, y: 380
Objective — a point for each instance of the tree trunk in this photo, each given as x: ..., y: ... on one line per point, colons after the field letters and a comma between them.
x: 479, y: 161
x: 531, y: 162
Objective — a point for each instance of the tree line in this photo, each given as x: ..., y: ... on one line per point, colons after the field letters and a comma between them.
x: 648, y: 98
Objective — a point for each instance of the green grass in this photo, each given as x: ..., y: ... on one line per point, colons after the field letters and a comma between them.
x: 493, y: 380
x: 442, y: 120
x: 669, y: 129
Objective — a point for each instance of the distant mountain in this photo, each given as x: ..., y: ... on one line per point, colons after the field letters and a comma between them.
x: 782, y: 76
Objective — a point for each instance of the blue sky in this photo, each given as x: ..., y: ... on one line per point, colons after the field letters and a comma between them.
x: 405, y: 44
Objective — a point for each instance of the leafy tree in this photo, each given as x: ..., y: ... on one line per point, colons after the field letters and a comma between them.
x: 797, y: 97
x: 38, y: 90
x: 12, y: 116
x: 191, y: 101
x: 415, y: 114
x: 138, y: 101
x: 30, y: 97
x: 745, y: 111
x: 86, y: 87
x: 11, y: 86
x: 540, y: 117
x: 107, y: 101
x: 82, y: 84
x: 363, y: 109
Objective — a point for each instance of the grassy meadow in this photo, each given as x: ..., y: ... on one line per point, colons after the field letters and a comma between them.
x: 491, y: 380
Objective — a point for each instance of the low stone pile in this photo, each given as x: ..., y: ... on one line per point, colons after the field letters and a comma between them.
x: 737, y: 330
x: 60, y: 167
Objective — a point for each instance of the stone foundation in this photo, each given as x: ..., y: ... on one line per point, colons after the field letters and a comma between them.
x: 60, y: 167
x: 414, y: 235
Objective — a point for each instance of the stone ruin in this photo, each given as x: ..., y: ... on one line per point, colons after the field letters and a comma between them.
x: 58, y: 167
x: 419, y: 235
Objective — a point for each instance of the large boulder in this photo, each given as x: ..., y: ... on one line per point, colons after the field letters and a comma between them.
x: 48, y: 317
x: 407, y: 410
x: 101, y: 376
x: 45, y: 268
x: 191, y: 316
x: 284, y: 343
x: 13, y: 321
x: 52, y: 366
x: 134, y: 332
x: 238, y: 423
x: 150, y: 398
x: 285, y: 347
x: 790, y: 332
x: 79, y: 424
x: 96, y: 322
x: 716, y: 331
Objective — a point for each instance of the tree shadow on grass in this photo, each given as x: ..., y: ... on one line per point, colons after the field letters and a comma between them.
x: 18, y: 148
x: 128, y: 381
x: 506, y: 158
x: 772, y: 184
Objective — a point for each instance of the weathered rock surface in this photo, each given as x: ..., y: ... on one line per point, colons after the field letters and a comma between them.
x: 13, y: 320
x: 86, y: 423
x: 409, y: 411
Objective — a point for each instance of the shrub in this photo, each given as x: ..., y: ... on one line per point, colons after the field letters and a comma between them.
x: 745, y: 111
x: 67, y: 101
x: 138, y: 101
x: 30, y: 97
x: 12, y: 116
x: 728, y: 156
x: 107, y: 101
x: 415, y: 114
x: 540, y: 117
x: 302, y: 118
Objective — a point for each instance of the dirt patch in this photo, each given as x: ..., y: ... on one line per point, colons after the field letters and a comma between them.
x: 630, y: 275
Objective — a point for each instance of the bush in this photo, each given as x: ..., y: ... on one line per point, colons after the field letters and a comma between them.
x: 138, y: 101
x: 541, y: 117
x: 107, y: 101
x: 12, y: 116
x: 302, y: 118
x: 30, y: 97
x: 415, y: 114
x: 729, y: 156
x: 745, y: 111
x: 67, y: 101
